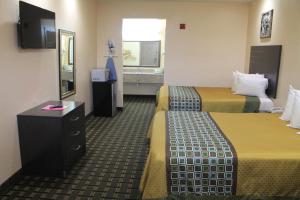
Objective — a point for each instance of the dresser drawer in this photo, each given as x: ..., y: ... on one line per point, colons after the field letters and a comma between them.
x: 74, y: 151
x: 75, y: 116
x: 74, y: 120
x: 75, y: 136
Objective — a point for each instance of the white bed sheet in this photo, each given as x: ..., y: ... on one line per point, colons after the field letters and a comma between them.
x: 266, y: 104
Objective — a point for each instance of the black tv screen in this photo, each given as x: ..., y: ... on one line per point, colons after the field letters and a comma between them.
x: 36, y: 27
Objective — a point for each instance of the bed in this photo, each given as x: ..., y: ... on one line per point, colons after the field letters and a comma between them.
x: 209, y: 99
x: 203, y: 153
x: 263, y: 60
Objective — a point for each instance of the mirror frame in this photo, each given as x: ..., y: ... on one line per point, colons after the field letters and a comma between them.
x: 69, y: 93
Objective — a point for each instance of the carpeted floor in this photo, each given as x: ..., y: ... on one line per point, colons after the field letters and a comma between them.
x: 112, y: 165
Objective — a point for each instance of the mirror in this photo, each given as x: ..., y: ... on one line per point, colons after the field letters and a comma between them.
x: 67, y: 84
x: 141, y: 53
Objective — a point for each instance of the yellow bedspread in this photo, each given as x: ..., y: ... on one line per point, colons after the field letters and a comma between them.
x: 213, y: 100
x: 268, y: 155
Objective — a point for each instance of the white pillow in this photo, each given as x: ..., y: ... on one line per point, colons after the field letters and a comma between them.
x: 237, y: 74
x: 287, y: 113
x: 295, y: 117
x: 234, y: 81
x: 252, y: 86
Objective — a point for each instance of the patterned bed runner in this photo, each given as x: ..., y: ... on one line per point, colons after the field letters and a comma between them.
x: 184, y: 98
x: 252, y: 104
x: 200, y: 159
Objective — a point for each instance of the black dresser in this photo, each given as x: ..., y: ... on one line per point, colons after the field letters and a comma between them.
x: 104, y: 99
x: 51, y: 141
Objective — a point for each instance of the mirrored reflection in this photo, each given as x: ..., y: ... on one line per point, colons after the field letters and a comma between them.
x: 67, y: 63
x: 141, y: 53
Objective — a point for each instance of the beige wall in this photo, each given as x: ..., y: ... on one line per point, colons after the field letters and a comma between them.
x: 285, y: 32
x: 206, y: 53
x: 30, y: 77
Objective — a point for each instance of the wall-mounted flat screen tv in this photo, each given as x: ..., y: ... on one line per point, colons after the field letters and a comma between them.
x: 36, y: 27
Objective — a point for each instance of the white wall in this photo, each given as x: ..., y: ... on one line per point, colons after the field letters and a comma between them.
x: 30, y: 77
x: 205, y: 54
x: 285, y: 32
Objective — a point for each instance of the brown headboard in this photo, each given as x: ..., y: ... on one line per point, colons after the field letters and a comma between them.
x: 266, y: 60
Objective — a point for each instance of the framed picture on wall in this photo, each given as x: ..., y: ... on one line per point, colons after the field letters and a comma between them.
x: 266, y: 24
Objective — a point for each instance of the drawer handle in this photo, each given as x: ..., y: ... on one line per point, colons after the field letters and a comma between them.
x: 76, y: 148
x: 76, y: 133
x: 74, y: 119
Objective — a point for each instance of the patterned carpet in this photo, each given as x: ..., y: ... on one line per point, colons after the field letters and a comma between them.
x: 112, y: 165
